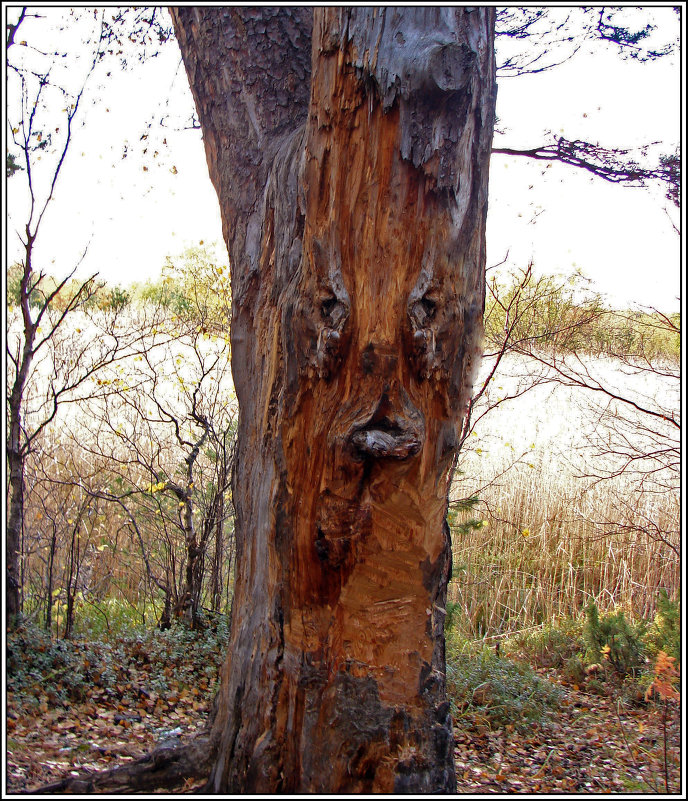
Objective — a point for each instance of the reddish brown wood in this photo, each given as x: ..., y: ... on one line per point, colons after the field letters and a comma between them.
x: 354, y: 218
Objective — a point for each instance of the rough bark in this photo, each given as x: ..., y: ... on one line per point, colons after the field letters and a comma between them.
x: 353, y: 207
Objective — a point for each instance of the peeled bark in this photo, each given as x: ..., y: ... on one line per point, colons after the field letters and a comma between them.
x: 353, y: 207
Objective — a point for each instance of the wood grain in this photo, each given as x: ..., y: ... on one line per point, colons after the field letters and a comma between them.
x: 356, y: 231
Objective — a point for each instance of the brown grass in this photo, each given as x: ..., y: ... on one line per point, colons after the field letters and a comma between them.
x: 552, y: 540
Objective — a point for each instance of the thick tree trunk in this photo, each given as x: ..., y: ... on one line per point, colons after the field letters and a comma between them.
x: 354, y: 208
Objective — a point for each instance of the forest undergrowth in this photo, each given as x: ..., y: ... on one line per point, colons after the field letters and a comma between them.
x: 578, y: 706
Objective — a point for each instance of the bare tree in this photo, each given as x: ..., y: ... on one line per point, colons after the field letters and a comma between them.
x: 51, y: 358
x: 31, y: 140
x: 154, y: 442
x: 532, y: 40
x: 624, y: 368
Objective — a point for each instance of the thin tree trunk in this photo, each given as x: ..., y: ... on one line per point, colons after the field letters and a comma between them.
x: 49, y: 581
x: 353, y: 207
x: 16, y: 445
x: 216, y: 525
x: 13, y: 533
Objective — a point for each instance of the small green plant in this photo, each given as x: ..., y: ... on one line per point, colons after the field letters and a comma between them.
x: 496, y: 691
x: 462, y: 509
x: 573, y: 670
x: 550, y: 646
x: 664, y: 633
x: 452, y: 618
x: 613, y: 640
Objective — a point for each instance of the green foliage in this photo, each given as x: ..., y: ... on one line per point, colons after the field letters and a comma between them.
x: 39, y: 668
x: 165, y: 294
x: 112, y: 617
x: 614, y: 640
x: 562, y: 314
x: 451, y: 620
x: 551, y: 646
x: 115, y: 298
x: 664, y: 633
x: 12, y: 165
x: 194, y: 286
x: 461, y: 509
x: 13, y: 288
x: 551, y: 312
x: 497, y: 692
x: 92, y: 294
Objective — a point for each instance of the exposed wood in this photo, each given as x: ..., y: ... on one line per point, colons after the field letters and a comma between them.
x: 354, y: 216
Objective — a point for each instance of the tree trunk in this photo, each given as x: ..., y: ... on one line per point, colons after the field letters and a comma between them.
x: 15, y: 516
x: 17, y: 447
x: 353, y: 207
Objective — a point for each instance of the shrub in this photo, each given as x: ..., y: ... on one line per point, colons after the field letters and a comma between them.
x: 614, y: 640
x: 573, y: 670
x: 55, y: 672
x: 497, y: 691
x: 664, y: 633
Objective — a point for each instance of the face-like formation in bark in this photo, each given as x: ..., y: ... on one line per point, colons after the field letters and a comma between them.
x: 374, y: 360
x: 356, y: 279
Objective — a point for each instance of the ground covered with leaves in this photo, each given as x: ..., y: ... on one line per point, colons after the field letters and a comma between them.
x: 520, y: 728
x: 591, y: 743
x: 80, y: 706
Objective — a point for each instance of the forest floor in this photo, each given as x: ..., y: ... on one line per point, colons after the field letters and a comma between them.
x: 593, y: 744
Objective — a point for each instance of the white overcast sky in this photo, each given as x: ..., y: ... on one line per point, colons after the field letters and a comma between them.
x: 131, y: 218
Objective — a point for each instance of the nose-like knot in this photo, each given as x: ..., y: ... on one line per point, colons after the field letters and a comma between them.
x: 394, y: 430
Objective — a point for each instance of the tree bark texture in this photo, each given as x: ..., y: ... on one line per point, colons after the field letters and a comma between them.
x: 353, y: 206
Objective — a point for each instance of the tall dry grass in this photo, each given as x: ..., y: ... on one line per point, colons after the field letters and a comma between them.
x: 545, y: 539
